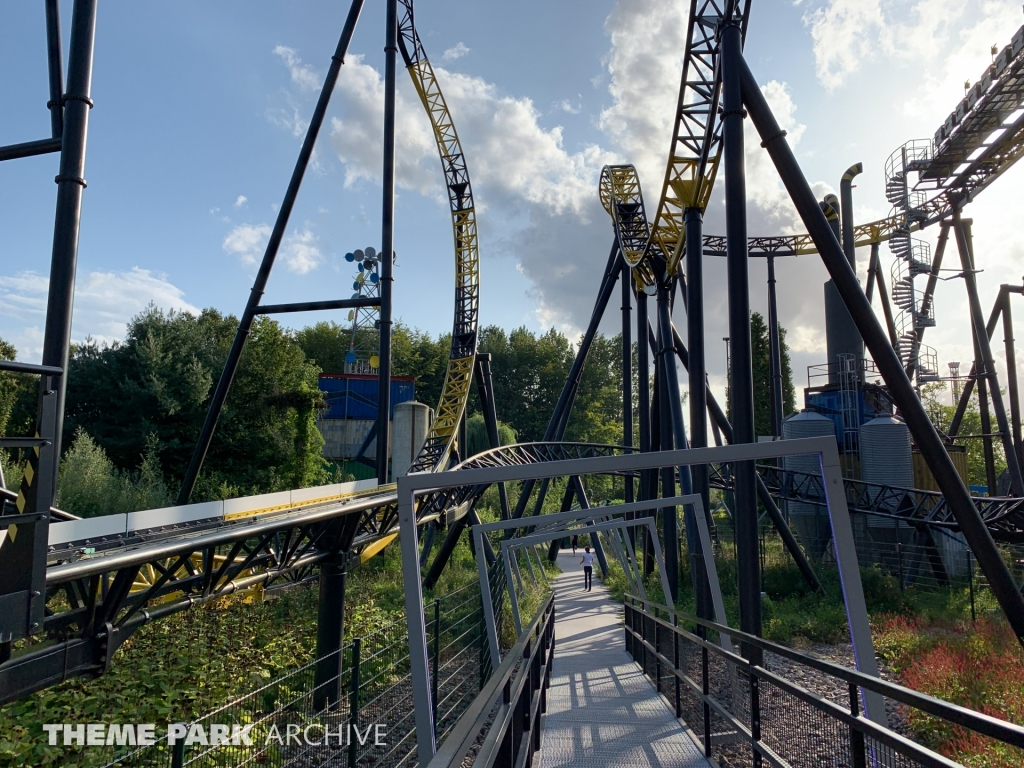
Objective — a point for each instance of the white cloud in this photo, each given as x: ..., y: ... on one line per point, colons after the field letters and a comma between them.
x: 104, y: 303
x: 301, y: 254
x: 457, y: 51
x: 247, y: 241
x: 240, y: 201
x: 302, y: 75
x: 570, y: 107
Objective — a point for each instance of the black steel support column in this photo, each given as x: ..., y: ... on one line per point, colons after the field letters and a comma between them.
x: 55, y: 67
x: 930, y: 444
x: 774, y: 352
x: 330, y: 634
x: 220, y: 395
x: 560, y: 417
x: 627, y: 390
x: 872, y: 266
x: 1012, y: 391
x: 643, y: 379
x: 668, y: 441
x: 387, y: 245
x: 68, y: 217
x: 485, y: 389
x: 963, y: 241
x: 741, y: 381
x: 696, y: 371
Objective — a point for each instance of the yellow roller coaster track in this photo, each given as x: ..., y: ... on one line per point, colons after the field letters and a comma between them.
x: 461, y: 361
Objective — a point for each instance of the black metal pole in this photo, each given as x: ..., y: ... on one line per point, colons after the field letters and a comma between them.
x: 485, y: 389
x: 965, y: 394
x: 560, y: 416
x: 668, y: 441
x: 846, y: 210
x: 68, y: 217
x: 962, y: 231
x: 627, y: 390
x: 774, y: 352
x: 1012, y: 391
x: 902, y: 390
x: 872, y: 266
x: 387, y: 245
x: 741, y: 381
x: 188, y: 484
x: 643, y: 377
x: 696, y: 371
x: 55, y: 67
x: 330, y: 634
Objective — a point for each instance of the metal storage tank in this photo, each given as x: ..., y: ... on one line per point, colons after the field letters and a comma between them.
x: 886, y: 458
x: 410, y: 428
x: 810, y: 521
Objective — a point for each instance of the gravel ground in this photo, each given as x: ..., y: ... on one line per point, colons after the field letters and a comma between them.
x: 804, y: 738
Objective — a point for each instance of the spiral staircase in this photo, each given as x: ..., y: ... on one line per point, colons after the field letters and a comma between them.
x: 913, y: 258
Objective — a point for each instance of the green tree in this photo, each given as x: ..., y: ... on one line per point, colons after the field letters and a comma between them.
x: 476, y: 435
x: 159, y: 381
x: 934, y: 397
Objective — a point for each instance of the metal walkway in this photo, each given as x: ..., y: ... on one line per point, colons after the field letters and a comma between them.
x: 601, y: 710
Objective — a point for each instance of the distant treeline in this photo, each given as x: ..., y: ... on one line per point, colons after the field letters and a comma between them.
x: 135, y: 407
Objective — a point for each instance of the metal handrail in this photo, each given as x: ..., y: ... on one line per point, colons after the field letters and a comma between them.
x: 508, y: 682
x: 987, y: 725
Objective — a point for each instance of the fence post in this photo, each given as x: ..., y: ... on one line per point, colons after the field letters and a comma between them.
x: 178, y: 754
x: 436, y: 662
x: 970, y: 580
x: 353, y: 701
x: 899, y: 552
x: 755, y: 717
x: 857, y: 755
x: 705, y: 673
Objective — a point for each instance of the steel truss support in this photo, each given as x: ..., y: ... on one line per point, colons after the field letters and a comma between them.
x: 961, y: 229
x: 932, y: 449
x: 560, y: 417
x: 220, y: 395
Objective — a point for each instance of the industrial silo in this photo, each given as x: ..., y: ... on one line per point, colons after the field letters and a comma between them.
x: 810, y: 521
x: 886, y: 459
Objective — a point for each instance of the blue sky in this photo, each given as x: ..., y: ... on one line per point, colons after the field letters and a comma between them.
x: 200, y: 108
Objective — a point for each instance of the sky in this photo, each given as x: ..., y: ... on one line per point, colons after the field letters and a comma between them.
x: 201, y: 105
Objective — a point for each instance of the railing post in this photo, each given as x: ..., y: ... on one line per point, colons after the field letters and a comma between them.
x: 675, y: 663
x: 657, y: 654
x: 857, y: 756
x: 899, y: 553
x: 353, y: 699
x: 435, y: 662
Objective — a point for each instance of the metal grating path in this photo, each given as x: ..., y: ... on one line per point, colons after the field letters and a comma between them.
x: 601, y: 709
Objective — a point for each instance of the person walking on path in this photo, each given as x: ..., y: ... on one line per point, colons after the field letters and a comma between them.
x: 588, y: 568
x: 575, y: 541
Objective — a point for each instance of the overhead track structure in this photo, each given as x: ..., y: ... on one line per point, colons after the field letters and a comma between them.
x: 459, y: 375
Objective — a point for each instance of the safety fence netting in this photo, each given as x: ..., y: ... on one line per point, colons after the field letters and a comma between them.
x: 362, y: 714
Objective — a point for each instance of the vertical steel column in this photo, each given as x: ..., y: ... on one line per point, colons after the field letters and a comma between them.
x: 774, y: 352
x: 330, y: 635
x: 963, y: 242
x: 1003, y: 585
x: 68, y: 217
x: 669, y: 515
x: 1013, y: 393
x: 872, y: 266
x: 387, y: 244
x: 627, y: 389
x: 55, y: 67
x: 696, y: 370
x: 741, y: 381
x: 485, y: 389
x: 220, y: 395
